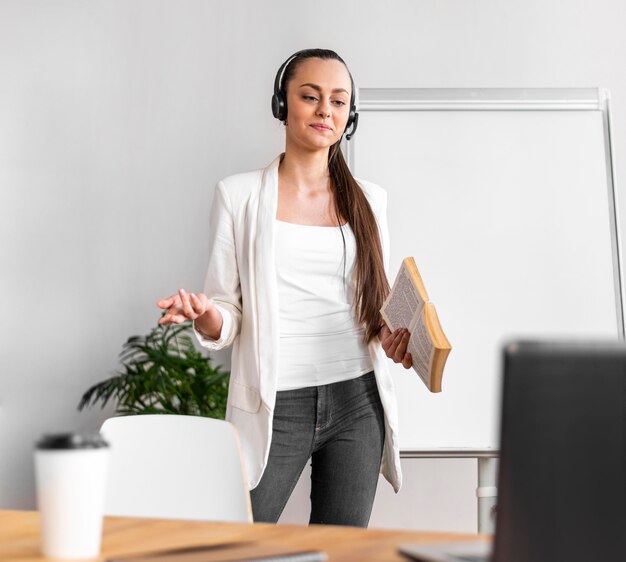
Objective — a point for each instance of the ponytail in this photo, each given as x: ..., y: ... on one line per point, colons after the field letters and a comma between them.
x: 351, y: 205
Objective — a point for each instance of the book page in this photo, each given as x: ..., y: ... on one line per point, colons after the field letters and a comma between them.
x: 422, y: 350
x: 403, y: 303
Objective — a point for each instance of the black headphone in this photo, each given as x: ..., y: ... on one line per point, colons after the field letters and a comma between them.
x: 279, y: 103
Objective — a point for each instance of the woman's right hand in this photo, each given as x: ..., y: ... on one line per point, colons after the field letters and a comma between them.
x: 185, y: 306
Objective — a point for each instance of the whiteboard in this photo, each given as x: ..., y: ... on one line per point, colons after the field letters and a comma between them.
x: 505, y: 198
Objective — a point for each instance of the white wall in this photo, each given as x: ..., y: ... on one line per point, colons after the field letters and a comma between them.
x: 117, y: 117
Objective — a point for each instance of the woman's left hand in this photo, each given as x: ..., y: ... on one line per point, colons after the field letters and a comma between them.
x: 395, y: 345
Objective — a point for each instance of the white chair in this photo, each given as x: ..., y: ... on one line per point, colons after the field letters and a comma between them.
x: 175, y: 467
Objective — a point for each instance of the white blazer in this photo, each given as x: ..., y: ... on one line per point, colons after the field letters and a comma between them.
x: 241, y: 283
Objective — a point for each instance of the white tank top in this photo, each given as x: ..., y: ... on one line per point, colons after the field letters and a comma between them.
x: 320, y: 341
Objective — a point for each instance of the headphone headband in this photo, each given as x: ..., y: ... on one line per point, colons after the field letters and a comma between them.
x: 279, y: 75
x: 279, y: 101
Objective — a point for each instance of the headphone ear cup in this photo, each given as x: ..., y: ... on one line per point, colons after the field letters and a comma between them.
x: 278, y: 107
x: 351, y: 117
x: 353, y: 121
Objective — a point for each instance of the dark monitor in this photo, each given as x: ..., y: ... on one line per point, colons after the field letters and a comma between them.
x: 562, y: 476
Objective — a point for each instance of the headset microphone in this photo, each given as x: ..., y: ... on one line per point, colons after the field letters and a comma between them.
x: 354, y: 123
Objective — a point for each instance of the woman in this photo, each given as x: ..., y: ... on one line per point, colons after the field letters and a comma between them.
x: 295, y: 282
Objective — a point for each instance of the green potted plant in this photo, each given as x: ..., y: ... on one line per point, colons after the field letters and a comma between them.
x: 163, y: 373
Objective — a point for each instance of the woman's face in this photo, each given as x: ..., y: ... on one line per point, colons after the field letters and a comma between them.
x: 318, y: 103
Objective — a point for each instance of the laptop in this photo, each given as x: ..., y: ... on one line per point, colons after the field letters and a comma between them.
x: 562, y: 476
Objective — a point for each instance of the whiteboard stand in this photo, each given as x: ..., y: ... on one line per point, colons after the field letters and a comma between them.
x: 487, y: 494
x: 486, y: 490
x: 507, y: 195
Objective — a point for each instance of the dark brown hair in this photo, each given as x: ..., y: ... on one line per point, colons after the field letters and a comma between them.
x: 351, y: 205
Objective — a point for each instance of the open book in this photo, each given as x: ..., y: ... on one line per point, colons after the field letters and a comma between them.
x: 408, y: 306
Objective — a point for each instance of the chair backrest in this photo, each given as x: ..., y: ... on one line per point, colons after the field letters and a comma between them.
x: 175, y: 467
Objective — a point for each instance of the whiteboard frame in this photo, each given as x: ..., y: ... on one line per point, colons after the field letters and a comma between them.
x: 511, y: 99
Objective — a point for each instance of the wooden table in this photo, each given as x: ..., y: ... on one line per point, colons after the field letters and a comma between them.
x: 19, y: 537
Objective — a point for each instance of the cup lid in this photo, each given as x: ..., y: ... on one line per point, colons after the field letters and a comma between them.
x: 78, y: 440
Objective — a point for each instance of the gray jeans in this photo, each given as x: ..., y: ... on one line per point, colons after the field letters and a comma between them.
x: 338, y: 426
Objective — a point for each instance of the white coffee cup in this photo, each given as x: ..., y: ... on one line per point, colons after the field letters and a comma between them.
x: 71, y: 479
